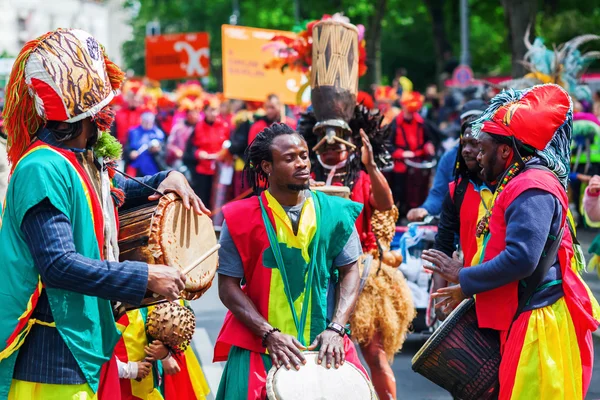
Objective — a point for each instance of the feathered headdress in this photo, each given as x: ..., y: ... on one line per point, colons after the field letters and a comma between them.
x: 64, y: 75
x: 540, y: 117
x: 563, y: 65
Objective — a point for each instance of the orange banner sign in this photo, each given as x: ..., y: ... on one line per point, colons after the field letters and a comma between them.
x: 176, y: 56
x: 244, y: 74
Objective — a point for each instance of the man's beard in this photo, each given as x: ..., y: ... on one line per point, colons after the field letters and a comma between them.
x: 489, y: 172
x: 298, y: 188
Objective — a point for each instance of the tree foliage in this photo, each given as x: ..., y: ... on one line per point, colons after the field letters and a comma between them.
x: 407, y: 36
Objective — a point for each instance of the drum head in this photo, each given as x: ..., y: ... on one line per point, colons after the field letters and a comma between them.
x: 315, y: 382
x: 184, y: 237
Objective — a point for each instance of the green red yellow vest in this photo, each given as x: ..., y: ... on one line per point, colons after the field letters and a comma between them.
x: 496, y: 308
x: 473, y: 200
x: 335, y: 218
x: 87, y: 324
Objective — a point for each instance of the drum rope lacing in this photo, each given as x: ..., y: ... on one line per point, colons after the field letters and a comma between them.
x: 274, y: 243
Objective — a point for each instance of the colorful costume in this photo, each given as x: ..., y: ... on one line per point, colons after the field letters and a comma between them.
x: 384, y: 309
x: 547, y: 352
x: 208, y: 138
x: 410, y: 185
x: 63, y: 76
x: 307, y: 256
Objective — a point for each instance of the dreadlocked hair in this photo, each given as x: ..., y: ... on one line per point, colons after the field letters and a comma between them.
x: 460, y: 166
x: 363, y: 119
x: 260, y: 150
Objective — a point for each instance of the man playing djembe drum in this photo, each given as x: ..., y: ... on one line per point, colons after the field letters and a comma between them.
x: 59, y: 237
x: 296, y: 252
x: 526, y: 284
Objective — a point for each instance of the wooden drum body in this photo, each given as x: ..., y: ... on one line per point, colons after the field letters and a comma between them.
x: 164, y: 232
x: 315, y: 382
x: 334, y: 74
x: 461, y: 357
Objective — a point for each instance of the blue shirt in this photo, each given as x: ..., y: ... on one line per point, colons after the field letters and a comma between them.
x: 44, y: 356
x: 443, y: 176
x: 139, y: 140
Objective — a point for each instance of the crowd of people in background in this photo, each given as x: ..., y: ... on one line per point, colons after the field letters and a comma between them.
x: 205, y: 135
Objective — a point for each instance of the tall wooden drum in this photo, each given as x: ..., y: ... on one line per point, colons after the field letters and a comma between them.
x: 334, y: 73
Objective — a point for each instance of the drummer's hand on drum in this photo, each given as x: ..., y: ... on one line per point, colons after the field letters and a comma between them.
x: 313, y: 183
x: 177, y: 183
x: 285, y: 350
x: 447, y: 267
x: 450, y: 297
x: 165, y: 281
x: 331, y: 347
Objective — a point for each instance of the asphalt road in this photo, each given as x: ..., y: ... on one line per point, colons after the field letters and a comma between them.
x: 210, y: 313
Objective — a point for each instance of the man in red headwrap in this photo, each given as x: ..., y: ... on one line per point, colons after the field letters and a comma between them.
x: 526, y: 282
x: 411, y: 140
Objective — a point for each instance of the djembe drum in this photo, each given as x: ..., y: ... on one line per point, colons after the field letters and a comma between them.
x: 334, y: 78
x: 315, y: 382
x: 461, y: 357
x: 165, y: 232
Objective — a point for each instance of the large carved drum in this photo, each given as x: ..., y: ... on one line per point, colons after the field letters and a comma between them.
x: 334, y: 75
x: 461, y: 357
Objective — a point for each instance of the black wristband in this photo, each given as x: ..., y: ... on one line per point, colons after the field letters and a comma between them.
x: 337, y: 328
x: 267, y: 334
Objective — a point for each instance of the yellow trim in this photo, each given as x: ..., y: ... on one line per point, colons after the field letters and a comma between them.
x: 20, y: 339
x: 83, y: 185
x: 279, y: 313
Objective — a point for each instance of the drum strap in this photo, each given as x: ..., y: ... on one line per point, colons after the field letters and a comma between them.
x: 300, y: 323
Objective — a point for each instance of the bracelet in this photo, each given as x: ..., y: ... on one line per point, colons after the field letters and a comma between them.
x: 267, y: 334
x: 337, y: 328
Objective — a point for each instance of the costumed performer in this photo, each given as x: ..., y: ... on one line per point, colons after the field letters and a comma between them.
x: 527, y: 282
x: 445, y: 170
x: 203, y: 149
x: 348, y: 147
x: 411, y: 138
x: 296, y: 252
x: 59, y: 235
x: 468, y: 200
x: 384, y: 309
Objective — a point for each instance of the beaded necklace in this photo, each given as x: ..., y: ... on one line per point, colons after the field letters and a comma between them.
x: 483, y: 227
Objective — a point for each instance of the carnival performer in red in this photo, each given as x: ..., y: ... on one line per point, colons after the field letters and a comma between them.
x: 468, y: 200
x: 527, y: 283
x: 273, y: 108
x: 203, y: 149
x: 411, y: 139
x: 128, y: 116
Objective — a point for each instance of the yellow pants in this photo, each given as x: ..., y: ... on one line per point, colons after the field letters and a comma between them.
x: 22, y: 390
